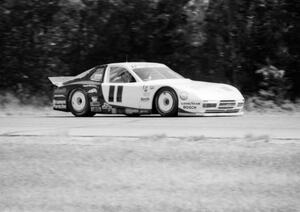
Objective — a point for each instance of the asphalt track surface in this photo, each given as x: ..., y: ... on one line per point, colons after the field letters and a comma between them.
x: 279, y: 127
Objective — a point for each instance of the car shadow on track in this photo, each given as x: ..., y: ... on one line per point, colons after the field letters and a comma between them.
x: 134, y: 117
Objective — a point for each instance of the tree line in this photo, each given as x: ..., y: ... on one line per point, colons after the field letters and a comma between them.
x: 249, y: 44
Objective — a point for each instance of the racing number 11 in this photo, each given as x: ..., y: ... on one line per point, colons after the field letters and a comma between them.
x: 112, y: 93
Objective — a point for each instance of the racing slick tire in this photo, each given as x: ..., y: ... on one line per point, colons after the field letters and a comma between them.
x: 79, y: 104
x: 166, y: 102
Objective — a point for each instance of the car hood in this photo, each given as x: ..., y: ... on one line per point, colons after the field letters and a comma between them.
x: 203, y: 90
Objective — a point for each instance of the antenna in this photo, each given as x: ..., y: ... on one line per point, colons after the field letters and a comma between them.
x: 126, y: 58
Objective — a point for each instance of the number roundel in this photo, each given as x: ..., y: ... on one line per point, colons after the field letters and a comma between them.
x: 111, y: 93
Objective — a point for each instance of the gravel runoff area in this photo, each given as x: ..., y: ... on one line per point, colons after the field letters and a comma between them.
x: 153, y: 173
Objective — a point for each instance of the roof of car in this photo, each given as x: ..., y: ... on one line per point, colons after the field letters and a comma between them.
x: 136, y: 64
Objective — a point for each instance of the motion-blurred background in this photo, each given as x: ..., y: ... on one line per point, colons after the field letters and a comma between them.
x: 253, y: 45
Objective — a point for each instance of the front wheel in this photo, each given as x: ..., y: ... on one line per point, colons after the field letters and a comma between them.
x: 79, y: 104
x: 166, y: 102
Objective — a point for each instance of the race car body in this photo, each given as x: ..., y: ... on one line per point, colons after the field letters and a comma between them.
x: 143, y: 88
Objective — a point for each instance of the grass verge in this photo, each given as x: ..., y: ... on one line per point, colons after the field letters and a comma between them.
x: 145, y: 174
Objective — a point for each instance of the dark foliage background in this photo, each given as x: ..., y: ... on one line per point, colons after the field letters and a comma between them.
x: 253, y: 45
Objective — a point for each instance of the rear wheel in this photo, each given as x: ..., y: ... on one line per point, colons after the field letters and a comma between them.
x: 166, y: 102
x: 79, y: 104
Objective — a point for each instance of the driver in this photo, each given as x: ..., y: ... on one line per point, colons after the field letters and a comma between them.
x: 126, y: 77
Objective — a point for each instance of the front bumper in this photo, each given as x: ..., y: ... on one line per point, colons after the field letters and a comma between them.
x: 181, y: 113
x: 212, y: 108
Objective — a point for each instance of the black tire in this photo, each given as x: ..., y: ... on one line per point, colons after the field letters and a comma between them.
x: 166, y: 102
x: 79, y: 104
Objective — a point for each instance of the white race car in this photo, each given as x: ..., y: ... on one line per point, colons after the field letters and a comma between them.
x: 135, y: 88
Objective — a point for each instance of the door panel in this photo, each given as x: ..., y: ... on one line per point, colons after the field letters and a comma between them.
x: 121, y: 89
x: 123, y: 94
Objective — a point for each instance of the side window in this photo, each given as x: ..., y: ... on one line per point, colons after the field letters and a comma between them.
x: 98, y: 75
x: 120, y: 75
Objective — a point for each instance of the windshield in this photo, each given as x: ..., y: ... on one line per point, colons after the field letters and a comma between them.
x: 156, y: 73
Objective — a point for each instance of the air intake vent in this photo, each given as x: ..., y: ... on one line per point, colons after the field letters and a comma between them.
x: 227, y: 104
x: 208, y: 105
x: 222, y: 111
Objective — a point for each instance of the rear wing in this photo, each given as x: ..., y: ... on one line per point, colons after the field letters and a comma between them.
x: 59, y: 81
